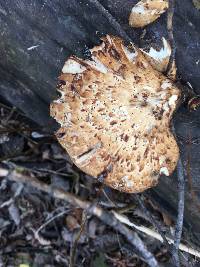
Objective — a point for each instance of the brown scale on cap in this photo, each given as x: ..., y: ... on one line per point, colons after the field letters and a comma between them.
x: 115, y: 113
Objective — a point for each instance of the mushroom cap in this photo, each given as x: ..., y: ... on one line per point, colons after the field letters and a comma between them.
x: 115, y: 111
x: 147, y: 11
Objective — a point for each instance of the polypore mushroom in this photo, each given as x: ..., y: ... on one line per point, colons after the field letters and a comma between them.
x: 115, y: 113
x: 147, y: 11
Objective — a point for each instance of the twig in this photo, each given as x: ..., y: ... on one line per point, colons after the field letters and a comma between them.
x: 12, y: 199
x: 170, y: 14
x: 180, y: 170
x: 181, y: 204
x: 155, y: 235
x: 111, y: 202
x: 75, y: 243
x: 111, y: 20
x: 10, y: 108
x: 105, y: 216
x: 12, y: 111
x: 125, y: 208
x: 109, y: 219
x: 36, y: 233
x: 154, y: 223
x: 38, y: 170
x: 179, y: 221
x: 83, y: 223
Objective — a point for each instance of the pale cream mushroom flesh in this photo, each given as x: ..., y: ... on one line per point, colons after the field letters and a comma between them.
x: 159, y: 58
x: 115, y: 111
x: 147, y: 11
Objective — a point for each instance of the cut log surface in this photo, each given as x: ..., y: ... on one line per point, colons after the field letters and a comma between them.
x: 38, y: 36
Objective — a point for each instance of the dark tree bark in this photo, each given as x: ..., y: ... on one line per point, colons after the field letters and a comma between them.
x: 36, y: 38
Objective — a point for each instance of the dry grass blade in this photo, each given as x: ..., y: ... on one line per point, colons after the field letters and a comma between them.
x: 37, y: 232
x: 75, y: 243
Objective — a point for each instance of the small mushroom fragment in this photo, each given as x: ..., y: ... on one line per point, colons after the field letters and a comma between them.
x: 115, y: 113
x: 159, y: 58
x: 172, y: 73
x: 147, y: 11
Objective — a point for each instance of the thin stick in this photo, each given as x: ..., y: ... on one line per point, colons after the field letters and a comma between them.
x: 154, y: 223
x: 155, y: 235
x: 75, y: 243
x: 170, y: 14
x: 109, y: 219
x: 180, y: 172
x: 49, y: 221
x: 181, y: 204
x: 179, y: 221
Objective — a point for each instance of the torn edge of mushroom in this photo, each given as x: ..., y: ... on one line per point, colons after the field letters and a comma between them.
x: 146, y: 12
x: 73, y: 66
x: 159, y: 59
x: 172, y: 73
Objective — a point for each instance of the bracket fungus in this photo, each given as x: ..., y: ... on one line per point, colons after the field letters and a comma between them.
x: 146, y: 12
x: 115, y: 111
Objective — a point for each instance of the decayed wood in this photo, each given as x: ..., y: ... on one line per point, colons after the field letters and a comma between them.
x: 37, y: 37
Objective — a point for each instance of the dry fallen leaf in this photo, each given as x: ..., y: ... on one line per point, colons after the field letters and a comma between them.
x: 72, y: 223
x: 115, y: 111
x: 167, y: 220
x: 147, y: 11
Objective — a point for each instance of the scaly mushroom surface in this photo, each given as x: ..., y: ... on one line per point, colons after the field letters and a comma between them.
x: 146, y: 12
x: 115, y: 111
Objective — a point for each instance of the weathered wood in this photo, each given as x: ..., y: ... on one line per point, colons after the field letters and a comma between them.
x: 36, y: 38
